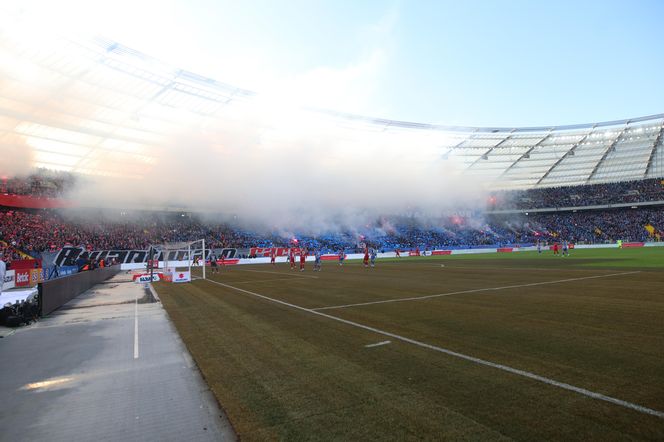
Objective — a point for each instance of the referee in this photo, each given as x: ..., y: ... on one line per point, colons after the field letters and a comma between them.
x: 213, y: 263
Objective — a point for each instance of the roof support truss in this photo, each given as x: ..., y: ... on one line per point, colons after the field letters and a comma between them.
x: 567, y: 154
x: 653, y: 151
x: 527, y: 153
x: 485, y: 154
x: 607, y: 152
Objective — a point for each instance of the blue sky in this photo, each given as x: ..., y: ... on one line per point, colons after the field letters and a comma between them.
x: 492, y: 63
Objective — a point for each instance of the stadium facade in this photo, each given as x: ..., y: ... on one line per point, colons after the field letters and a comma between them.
x: 98, y: 107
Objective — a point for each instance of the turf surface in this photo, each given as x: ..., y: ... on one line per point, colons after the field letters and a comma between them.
x: 594, y: 320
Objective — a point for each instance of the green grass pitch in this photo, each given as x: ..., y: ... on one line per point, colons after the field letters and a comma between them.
x: 304, y: 364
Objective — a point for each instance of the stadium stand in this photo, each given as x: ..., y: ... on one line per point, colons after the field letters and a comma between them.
x: 26, y: 233
x: 31, y: 233
x: 574, y: 196
x: 41, y: 183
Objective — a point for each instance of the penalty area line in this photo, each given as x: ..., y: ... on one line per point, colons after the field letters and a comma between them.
x: 506, y: 368
x: 538, y: 269
x: 462, y: 292
x: 278, y: 273
x: 256, y: 281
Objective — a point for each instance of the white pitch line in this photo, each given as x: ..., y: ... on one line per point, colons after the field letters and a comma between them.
x: 295, y: 275
x: 267, y: 280
x: 539, y: 269
x: 136, y: 327
x: 516, y: 371
x: 488, y: 289
x: 154, y: 292
x: 377, y: 344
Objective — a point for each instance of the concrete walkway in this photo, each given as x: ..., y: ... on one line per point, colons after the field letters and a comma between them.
x: 106, y: 366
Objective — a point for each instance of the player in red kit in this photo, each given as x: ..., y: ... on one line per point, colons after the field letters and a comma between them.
x: 291, y: 256
x: 366, y: 256
x: 273, y: 255
x: 555, y: 248
x: 303, y: 257
x: 398, y: 253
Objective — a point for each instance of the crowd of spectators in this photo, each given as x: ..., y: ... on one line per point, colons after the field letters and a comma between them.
x: 42, y: 183
x: 590, y: 226
x: 35, y: 231
x: 46, y: 230
x: 9, y: 252
x: 52, y: 184
x: 576, y: 196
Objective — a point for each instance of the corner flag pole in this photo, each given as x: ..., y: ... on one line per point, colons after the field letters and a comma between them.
x: 151, y: 261
x: 203, y: 258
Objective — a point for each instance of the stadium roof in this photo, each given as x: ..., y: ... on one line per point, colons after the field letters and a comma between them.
x: 98, y: 107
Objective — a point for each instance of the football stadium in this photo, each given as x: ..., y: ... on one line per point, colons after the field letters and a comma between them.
x: 185, y: 259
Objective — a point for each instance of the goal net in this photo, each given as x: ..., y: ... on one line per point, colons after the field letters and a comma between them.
x: 180, y: 261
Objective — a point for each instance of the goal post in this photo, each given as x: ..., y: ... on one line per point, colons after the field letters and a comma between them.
x: 181, y: 261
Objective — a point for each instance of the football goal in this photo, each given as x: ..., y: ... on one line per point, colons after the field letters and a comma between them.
x: 180, y: 261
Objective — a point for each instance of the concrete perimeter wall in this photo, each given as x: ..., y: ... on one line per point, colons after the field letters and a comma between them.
x: 57, y: 292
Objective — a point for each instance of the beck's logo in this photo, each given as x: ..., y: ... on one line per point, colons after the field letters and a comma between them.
x: 23, y: 277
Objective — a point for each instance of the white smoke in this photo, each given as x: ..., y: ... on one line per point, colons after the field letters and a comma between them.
x: 17, y: 158
x: 259, y: 161
x: 294, y: 171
